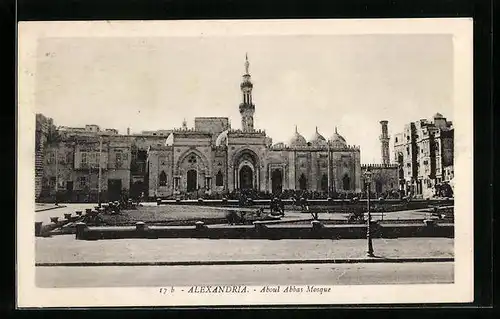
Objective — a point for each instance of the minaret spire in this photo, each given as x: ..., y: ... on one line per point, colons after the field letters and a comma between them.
x: 247, y: 64
x: 247, y: 108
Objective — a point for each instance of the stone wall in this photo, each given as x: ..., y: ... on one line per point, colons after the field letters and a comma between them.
x: 384, y: 178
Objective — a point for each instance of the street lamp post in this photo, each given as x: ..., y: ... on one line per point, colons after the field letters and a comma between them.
x: 368, y: 176
x: 99, y: 174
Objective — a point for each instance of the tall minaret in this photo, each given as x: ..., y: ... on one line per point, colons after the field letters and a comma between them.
x: 384, y: 139
x: 247, y: 108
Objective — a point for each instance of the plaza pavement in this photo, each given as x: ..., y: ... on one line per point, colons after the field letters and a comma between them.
x: 66, y: 249
x: 44, y: 215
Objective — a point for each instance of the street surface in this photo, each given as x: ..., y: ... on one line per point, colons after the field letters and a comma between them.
x: 296, y: 274
x: 65, y: 248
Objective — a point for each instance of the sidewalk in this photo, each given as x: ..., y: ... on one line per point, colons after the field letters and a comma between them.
x: 66, y: 249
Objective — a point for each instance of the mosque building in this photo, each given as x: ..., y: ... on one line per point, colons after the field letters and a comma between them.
x: 210, y: 158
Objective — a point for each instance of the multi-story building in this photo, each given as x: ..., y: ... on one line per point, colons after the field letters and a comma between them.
x: 209, y: 158
x: 424, y: 152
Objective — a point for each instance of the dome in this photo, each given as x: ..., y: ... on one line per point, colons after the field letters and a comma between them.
x: 222, y: 139
x: 337, y: 139
x: 297, y: 139
x: 438, y: 116
x: 318, y: 139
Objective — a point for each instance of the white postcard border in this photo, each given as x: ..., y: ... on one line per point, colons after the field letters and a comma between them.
x: 462, y: 289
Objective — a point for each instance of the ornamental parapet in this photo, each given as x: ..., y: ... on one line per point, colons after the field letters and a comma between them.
x: 259, y: 133
x: 347, y: 148
x: 160, y: 148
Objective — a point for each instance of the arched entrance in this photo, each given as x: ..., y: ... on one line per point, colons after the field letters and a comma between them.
x: 246, y: 177
x: 346, y: 182
x: 276, y: 181
x: 324, y: 183
x: 302, y: 182
x: 192, y: 180
x: 137, y: 188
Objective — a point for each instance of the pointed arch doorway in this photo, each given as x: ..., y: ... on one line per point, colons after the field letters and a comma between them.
x: 276, y: 181
x: 192, y: 180
x: 246, y: 177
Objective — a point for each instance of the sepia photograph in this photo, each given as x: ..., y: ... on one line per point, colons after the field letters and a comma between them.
x: 245, y: 162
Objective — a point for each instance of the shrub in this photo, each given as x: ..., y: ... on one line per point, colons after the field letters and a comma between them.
x: 232, y: 217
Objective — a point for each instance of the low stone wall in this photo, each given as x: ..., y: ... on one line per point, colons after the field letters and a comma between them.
x: 262, y: 231
x: 333, y: 204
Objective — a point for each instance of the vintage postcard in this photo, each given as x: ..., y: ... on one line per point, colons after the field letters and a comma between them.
x: 255, y: 162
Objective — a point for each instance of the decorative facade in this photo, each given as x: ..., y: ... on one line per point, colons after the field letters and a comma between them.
x: 210, y: 158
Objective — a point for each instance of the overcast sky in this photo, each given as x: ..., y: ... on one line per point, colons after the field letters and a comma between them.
x: 351, y: 82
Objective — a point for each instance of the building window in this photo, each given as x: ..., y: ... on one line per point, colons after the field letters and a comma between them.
x: 92, y: 159
x: 84, y: 159
x: 52, y: 182
x: 192, y: 160
x: 346, y: 182
x: 407, y: 151
x: 52, y: 158
x: 396, y: 139
x: 69, y: 158
x: 118, y: 159
x: 82, y: 181
x: 163, y: 179
x: 324, y: 183
x: 302, y: 182
x: 219, y: 179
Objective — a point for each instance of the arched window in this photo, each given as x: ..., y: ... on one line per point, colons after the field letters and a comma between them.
x: 346, y: 182
x: 400, y: 158
x: 219, y: 179
x: 163, y: 179
x: 302, y: 182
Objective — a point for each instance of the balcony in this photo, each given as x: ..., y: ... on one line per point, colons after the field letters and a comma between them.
x: 90, y: 166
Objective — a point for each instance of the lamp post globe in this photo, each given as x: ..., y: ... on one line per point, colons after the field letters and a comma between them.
x: 367, y: 175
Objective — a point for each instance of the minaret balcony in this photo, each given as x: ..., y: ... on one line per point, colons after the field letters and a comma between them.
x: 246, y: 85
x: 246, y: 107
